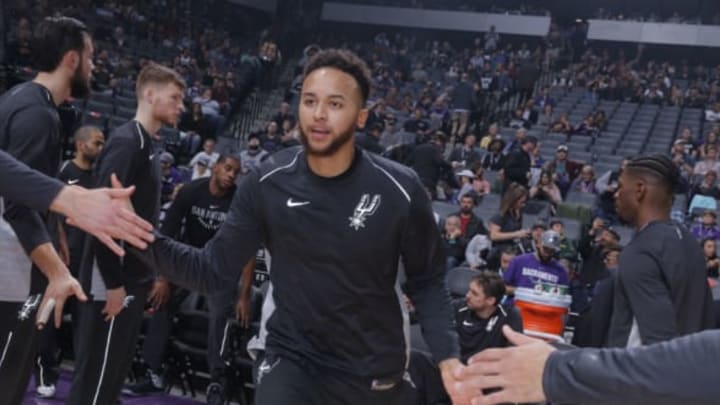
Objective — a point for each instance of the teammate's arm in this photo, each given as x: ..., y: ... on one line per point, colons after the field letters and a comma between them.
x: 424, y: 259
x: 242, y: 308
x: 25, y: 186
x: 216, y: 264
x: 119, y: 158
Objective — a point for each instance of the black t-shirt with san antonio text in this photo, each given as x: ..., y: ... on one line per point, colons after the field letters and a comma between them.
x: 198, y: 211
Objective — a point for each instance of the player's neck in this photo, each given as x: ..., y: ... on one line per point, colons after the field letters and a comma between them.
x: 485, y: 313
x: 81, y: 162
x: 648, y: 215
x: 58, y: 86
x: 333, y: 165
x: 215, y: 190
x: 145, y: 118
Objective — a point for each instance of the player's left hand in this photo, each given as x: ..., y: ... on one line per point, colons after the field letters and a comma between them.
x: 448, y: 370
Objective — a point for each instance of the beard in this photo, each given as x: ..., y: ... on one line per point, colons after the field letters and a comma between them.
x: 332, y: 148
x: 79, y: 84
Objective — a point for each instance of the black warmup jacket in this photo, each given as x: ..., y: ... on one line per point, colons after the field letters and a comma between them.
x: 661, y: 287
x: 336, y: 244
x: 129, y: 153
x: 25, y: 186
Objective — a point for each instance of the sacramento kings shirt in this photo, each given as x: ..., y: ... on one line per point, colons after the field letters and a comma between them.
x: 202, y: 213
x: 336, y: 244
x: 526, y: 271
x: 30, y: 132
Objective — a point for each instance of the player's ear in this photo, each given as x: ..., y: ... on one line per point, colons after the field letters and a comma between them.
x: 362, y: 118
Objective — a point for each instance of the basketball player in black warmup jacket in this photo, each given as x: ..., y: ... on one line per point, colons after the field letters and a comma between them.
x: 198, y: 211
x: 336, y: 221
x: 31, y: 133
x: 110, y: 322
x: 89, y: 140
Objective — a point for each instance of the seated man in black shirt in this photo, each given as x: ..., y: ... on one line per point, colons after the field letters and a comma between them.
x: 479, y: 318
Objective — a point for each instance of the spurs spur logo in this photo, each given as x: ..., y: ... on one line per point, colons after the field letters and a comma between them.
x: 364, y: 209
x: 30, y: 304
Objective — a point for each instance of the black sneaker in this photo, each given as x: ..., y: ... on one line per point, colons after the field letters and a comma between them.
x: 152, y: 384
x: 214, y: 395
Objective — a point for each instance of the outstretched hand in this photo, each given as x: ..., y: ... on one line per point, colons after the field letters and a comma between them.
x: 516, y: 371
x: 107, y: 213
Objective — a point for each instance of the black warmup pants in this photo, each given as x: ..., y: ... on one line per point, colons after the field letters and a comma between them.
x: 105, y: 349
x: 288, y: 381
x: 221, y: 305
x: 18, y: 335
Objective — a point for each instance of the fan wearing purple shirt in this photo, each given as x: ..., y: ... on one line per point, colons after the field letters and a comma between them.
x: 531, y: 269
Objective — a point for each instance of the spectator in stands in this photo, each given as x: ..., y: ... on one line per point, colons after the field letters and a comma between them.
x: 537, y: 162
x: 419, y: 74
x: 546, y: 190
x: 585, y: 183
x: 428, y: 162
x: 707, y: 228
x: 709, y: 162
x: 417, y: 124
x: 690, y: 147
x: 467, y: 154
x: 712, y: 261
x: 209, y: 106
x: 587, y: 127
x: 251, y: 157
x: 517, y: 120
x: 710, y: 140
x: 546, y: 118
x: 370, y: 140
x: 530, y: 114
x: 494, y: 160
x: 593, y: 244
x: 517, y: 164
x: 194, y: 128
x: 533, y: 269
x: 562, y: 125
x: 462, y: 103
x: 492, y: 40
x: 527, y: 75
x: 479, y: 318
x: 376, y: 112
x: 480, y: 185
x: 606, y: 186
x: 535, y: 233
x: 563, y: 170
x: 171, y: 177
x: 283, y: 115
x: 492, y: 135
x: 206, y: 157
x: 713, y: 114
x: 465, y: 178
x: 505, y: 227
x: 679, y: 149
x: 567, y: 249
x: 455, y: 243
x: 439, y: 114
x: 470, y: 224
x: 516, y: 143
x: 708, y: 186
x: 544, y: 99
x: 270, y: 140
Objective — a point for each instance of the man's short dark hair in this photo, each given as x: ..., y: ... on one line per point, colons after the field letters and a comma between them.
x: 530, y: 139
x: 231, y: 156
x: 53, y: 38
x: 492, y: 285
x: 510, y: 250
x: 345, y: 61
x: 659, y: 167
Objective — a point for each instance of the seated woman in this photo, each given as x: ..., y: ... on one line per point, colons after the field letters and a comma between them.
x: 481, y: 186
x: 546, y: 190
x: 708, y: 186
x: 585, y: 183
x: 712, y: 262
x: 562, y: 125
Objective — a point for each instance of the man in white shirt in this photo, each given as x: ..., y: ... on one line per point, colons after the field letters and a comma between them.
x: 208, y: 156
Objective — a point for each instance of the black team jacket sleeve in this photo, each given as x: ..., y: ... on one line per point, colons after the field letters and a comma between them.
x: 424, y: 259
x: 25, y: 186
x: 29, y: 137
x: 679, y: 371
